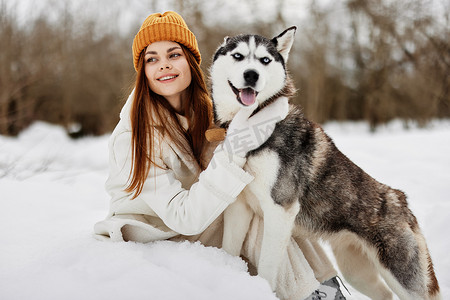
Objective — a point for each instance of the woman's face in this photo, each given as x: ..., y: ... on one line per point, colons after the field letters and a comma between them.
x: 167, y: 71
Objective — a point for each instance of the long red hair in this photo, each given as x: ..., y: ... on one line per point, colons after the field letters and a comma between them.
x: 149, y: 108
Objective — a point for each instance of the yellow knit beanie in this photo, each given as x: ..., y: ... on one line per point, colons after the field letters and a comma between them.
x: 169, y: 26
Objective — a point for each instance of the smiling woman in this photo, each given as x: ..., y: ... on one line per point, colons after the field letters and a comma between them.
x: 159, y: 171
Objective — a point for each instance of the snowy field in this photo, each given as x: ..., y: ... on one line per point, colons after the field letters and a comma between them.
x: 51, y: 194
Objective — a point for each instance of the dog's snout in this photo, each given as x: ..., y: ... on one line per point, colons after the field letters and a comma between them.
x: 251, y: 77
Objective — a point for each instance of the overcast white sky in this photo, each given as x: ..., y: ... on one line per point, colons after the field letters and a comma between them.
x: 131, y: 13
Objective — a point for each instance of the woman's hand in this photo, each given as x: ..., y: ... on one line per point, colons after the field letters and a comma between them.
x: 246, y: 134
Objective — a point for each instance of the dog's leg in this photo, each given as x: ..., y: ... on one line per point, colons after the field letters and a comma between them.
x: 278, y: 220
x: 278, y: 224
x: 237, y: 219
x: 358, y: 269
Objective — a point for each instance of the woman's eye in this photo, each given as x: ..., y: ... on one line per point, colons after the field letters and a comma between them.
x: 265, y: 60
x: 150, y: 60
x: 237, y: 56
x: 175, y: 55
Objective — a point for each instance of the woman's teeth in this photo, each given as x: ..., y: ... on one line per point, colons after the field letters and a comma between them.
x: 166, y: 78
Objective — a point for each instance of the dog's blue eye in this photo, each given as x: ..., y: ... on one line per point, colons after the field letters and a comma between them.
x: 265, y: 60
x: 238, y: 56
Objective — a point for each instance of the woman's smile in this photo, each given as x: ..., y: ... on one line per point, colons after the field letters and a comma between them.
x: 167, y: 78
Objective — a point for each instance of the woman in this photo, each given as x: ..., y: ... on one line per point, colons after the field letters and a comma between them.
x: 160, y: 182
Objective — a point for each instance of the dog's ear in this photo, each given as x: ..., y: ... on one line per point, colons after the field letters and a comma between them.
x: 284, y: 42
x: 225, y: 41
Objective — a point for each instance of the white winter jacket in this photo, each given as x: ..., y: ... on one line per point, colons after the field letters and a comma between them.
x: 176, y: 199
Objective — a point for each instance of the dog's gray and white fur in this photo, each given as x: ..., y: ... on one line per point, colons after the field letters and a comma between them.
x: 304, y: 186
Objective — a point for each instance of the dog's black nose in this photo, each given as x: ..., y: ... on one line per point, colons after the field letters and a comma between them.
x: 251, y: 77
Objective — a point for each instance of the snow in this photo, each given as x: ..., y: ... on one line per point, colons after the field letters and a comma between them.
x: 52, y: 192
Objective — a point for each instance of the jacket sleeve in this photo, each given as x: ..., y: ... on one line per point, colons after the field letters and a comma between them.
x: 187, y: 212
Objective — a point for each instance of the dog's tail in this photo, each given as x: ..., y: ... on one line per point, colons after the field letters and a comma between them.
x: 421, y: 282
x: 400, y: 255
x: 433, y: 285
x: 426, y: 264
x: 408, y: 259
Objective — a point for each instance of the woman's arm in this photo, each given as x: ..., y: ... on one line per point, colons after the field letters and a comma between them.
x: 188, y: 212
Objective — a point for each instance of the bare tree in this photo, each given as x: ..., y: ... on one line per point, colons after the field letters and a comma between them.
x: 352, y: 60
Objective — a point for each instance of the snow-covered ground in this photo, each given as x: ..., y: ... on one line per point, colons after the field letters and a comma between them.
x: 51, y: 194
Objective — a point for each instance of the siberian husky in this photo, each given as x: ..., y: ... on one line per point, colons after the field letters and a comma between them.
x: 304, y: 186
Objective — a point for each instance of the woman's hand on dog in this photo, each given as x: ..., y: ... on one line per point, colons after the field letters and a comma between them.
x: 247, y: 133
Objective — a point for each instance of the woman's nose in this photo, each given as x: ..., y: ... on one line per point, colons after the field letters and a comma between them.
x: 166, y: 66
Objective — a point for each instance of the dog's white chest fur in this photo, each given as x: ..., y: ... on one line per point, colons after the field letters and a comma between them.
x: 278, y: 220
x: 264, y: 167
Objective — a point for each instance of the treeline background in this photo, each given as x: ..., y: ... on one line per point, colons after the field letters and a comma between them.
x: 373, y: 60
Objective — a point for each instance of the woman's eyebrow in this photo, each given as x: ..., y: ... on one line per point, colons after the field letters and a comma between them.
x: 168, y: 50
x: 173, y: 48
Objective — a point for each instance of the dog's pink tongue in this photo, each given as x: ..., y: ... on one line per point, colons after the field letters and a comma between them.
x: 248, y: 96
